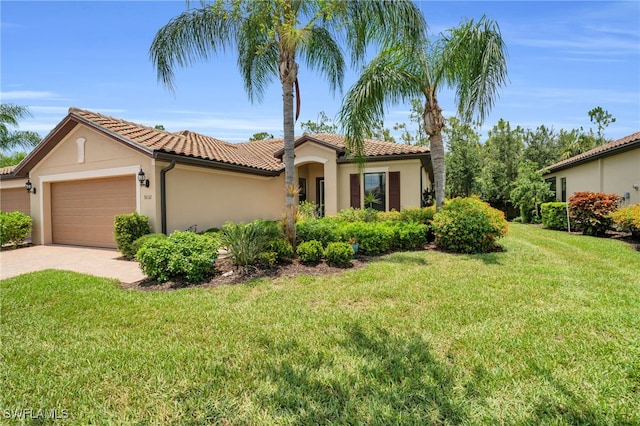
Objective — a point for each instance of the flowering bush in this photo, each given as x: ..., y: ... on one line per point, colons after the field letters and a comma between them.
x: 591, y: 211
x: 628, y: 219
x: 468, y: 225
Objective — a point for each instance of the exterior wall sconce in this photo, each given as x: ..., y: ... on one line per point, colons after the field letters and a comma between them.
x: 635, y: 186
x: 141, y: 178
x: 29, y: 187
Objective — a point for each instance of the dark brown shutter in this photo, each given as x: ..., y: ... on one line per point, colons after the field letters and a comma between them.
x: 354, y: 181
x: 394, y: 191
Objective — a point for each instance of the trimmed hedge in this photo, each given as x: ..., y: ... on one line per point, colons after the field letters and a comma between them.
x: 310, y: 251
x: 591, y: 211
x: 128, y: 228
x: 184, y: 254
x: 14, y: 227
x: 628, y: 219
x: 339, y: 254
x: 137, y: 244
x: 554, y: 215
x: 468, y: 225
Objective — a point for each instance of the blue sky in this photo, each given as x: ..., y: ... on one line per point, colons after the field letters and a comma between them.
x: 565, y: 58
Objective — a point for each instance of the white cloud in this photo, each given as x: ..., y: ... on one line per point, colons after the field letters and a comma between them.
x: 29, y: 95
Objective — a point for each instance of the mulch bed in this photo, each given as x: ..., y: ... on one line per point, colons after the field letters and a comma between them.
x: 228, y: 274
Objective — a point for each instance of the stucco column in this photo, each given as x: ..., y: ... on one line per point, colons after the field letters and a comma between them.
x: 330, y: 188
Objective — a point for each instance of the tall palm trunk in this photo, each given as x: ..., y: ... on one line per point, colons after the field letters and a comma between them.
x: 433, y: 124
x: 288, y: 76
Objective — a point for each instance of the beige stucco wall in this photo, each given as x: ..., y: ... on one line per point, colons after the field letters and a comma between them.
x: 411, y: 175
x: 97, y: 157
x: 12, y: 183
x: 209, y: 197
x: 616, y: 174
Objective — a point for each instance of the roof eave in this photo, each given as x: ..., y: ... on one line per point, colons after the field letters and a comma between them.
x: 613, y: 151
x: 213, y: 164
x: 386, y: 157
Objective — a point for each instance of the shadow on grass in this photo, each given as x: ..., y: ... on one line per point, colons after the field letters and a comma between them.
x: 378, y: 378
x: 392, y: 380
x: 408, y: 258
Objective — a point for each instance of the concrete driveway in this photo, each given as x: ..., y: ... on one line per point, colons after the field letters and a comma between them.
x: 94, y: 261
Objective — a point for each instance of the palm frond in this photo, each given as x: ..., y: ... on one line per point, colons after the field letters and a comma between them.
x: 321, y: 51
x: 191, y: 37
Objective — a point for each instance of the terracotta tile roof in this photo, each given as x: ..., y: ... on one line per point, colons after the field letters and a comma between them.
x: 262, y: 155
x: 628, y: 142
x: 6, y: 170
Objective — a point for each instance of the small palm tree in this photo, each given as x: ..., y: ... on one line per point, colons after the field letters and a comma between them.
x: 470, y: 59
x: 10, y: 115
x: 272, y: 36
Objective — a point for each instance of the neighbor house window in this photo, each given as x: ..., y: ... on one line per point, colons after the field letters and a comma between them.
x: 552, y: 187
x: 375, y: 191
x: 563, y: 183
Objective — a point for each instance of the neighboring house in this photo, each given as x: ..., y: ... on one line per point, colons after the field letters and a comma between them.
x: 88, y: 169
x: 612, y: 168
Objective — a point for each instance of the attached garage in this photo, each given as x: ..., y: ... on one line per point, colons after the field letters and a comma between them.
x: 82, y: 212
x: 12, y: 199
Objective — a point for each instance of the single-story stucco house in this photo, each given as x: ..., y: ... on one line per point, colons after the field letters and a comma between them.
x: 612, y: 168
x: 92, y: 167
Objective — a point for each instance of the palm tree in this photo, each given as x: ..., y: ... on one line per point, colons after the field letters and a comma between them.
x: 10, y: 115
x: 470, y: 59
x: 271, y: 36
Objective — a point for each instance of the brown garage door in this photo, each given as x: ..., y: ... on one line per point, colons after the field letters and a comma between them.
x: 15, y: 199
x: 82, y: 212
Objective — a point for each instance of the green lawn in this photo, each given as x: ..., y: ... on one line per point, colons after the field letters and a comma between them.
x: 545, y: 332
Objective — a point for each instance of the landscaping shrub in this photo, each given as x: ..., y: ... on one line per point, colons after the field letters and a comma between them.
x: 418, y: 215
x: 339, y: 254
x: 390, y: 216
x: 268, y: 259
x: 374, y: 238
x: 591, y: 211
x: 554, y: 215
x: 14, y: 227
x: 282, y: 248
x: 307, y: 210
x: 184, y: 254
x: 357, y: 215
x: 323, y: 230
x: 128, y: 228
x: 245, y: 242
x: 137, y: 244
x: 310, y: 251
x: 628, y: 219
x: 468, y: 225
x: 408, y: 235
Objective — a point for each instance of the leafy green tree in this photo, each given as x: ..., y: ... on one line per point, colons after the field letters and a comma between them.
x: 271, y: 37
x: 419, y: 136
x: 379, y: 132
x: 470, y: 59
x: 502, y: 154
x: 12, y: 159
x: 260, y: 136
x: 10, y: 139
x: 602, y: 118
x: 530, y: 190
x: 541, y: 146
x: 322, y: 125
x: 574, y: 142
x: 463, y: 159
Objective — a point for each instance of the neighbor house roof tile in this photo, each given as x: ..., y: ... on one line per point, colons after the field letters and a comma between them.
x: 627, y: 142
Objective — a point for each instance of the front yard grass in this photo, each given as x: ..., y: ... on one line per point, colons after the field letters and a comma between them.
x: 545, y: 332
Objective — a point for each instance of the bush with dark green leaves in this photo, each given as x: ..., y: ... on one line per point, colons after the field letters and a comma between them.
x: 282, y: 249
x: 468, y: 225
x: 310, y: 251
x: 554, y: 215
x: 339, y: 254
x: 183, y: 254
x: 128, y: 228
x: 591, y: 211
x: 323, y: 230
x: 14, y: 227
x: 357, y: 215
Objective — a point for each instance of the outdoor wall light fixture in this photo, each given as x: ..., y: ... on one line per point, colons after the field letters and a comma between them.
x: 29, y: 187
x: 142, y: 180
x: 635, y: 186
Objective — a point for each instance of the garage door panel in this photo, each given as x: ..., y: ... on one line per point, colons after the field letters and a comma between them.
x: 82, y: 212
